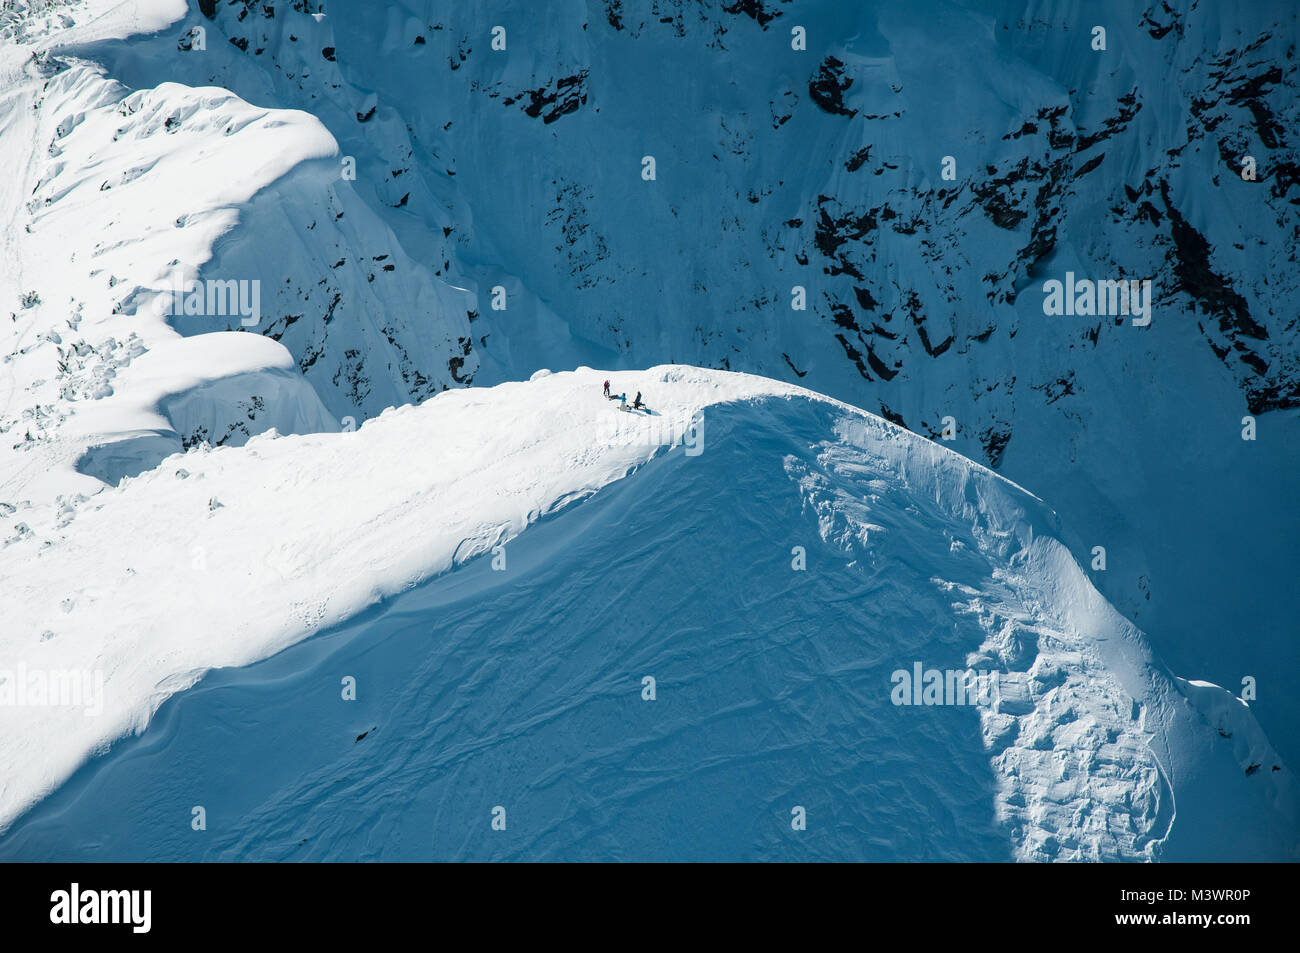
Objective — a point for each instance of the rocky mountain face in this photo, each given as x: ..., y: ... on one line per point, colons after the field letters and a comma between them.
x: 820, y: 166
x: 869, y: 199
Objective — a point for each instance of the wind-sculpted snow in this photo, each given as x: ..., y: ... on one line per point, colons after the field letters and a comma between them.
x: 384, y: 206
x: 277, y: 538
x: 118, y: 202
x: 520, y: 169
x: 520, y: 683
x: 94, y: 377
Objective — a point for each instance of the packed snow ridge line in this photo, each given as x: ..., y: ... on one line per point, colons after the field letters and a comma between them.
x: 104, y: 367
x: 148, y: 438
x: 223, y: 556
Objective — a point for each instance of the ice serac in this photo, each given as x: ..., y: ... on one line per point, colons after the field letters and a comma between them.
x: 529, y: 553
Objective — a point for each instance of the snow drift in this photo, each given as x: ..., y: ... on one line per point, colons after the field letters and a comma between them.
x: 177, y: 499
x: 590, y: 548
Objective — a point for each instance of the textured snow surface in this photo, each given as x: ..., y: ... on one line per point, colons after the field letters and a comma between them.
x: 189, y: 493
x: 524, y: 684
x: 520, y: 169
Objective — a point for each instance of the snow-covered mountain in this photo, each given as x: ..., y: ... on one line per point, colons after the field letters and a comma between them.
x: 769, y: 558
x: 409, y: 199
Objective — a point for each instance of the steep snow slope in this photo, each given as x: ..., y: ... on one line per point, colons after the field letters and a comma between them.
x: 94, y: 383
x: 111, y: 199
x: 130, y: 153
x: 822, y: 168
x: 224, y: 554
x: 521, y: 685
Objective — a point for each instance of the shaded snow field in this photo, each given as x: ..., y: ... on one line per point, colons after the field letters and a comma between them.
x: 109, y: 195
x: 521, y: 687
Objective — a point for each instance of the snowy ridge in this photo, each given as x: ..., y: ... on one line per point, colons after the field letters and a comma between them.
x: 190, y: 467
x: 822, y: 168
x: 1084, y: 773
x: 123, y: 194
x: 89, y: 269
x: 1089, y: 759
x: 412, y: 493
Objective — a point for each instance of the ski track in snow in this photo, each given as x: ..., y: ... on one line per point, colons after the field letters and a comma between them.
x: 945, y: 545
x: 290, y: 530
